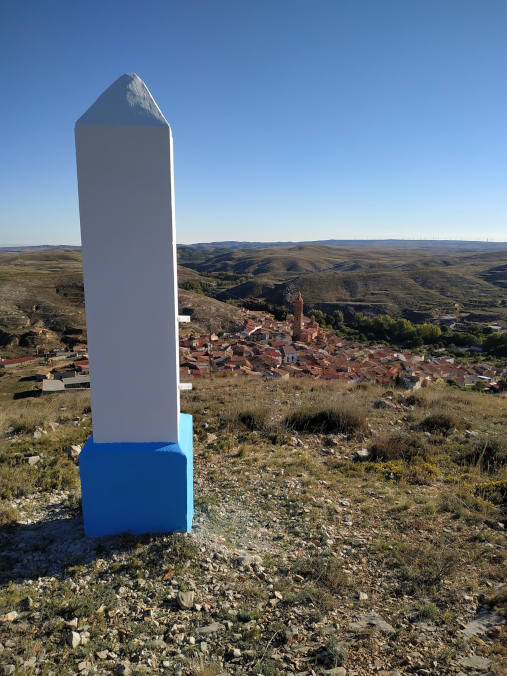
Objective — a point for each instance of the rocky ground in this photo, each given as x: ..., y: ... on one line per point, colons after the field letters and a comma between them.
x: 308, y: 554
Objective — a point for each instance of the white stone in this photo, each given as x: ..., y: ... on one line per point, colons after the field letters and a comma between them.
x: 73, y: 452
x: 73, y: 639
x: 124, y: 155
x: 10, y: 616
x: 363, y: 454
x: 185, y: 599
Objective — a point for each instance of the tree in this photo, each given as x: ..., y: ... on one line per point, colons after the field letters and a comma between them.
x: 319, y: 316
x: 337, y: 319
x: 429, y: 333
x: 496, y: 344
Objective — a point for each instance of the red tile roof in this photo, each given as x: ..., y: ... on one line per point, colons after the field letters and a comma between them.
x: 19, y: 360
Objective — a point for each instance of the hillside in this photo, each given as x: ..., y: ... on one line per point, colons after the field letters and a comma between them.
x: 40, y: 290
x: 209, y: 314
x: 373, y: 279
x: 332, y: 535
x: 43, y: 289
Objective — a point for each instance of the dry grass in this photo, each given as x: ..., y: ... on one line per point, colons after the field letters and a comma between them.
x: 8, y: 514
x: 255, y: 418
x: 200, y: 666
x: 25, y: 415
x: 324, y: 570
x: 423, y: 567
x: 58, y: 421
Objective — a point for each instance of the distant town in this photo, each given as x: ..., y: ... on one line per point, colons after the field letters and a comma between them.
x: 299, y: 347
x: 295, y: 348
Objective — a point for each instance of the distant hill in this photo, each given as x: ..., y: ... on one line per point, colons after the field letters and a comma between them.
x: 42, y: 288
x: 38, y: 247
x: 447, y: 245
x: 397, y: 280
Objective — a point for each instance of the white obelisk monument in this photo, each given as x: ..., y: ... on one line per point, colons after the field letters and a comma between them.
x: 136, y: 470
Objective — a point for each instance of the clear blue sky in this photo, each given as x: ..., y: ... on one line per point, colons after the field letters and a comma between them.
x: 292, y: 119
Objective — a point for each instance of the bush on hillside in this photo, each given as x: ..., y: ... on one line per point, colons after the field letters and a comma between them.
x: 489, y: 455
x: 327, y: 420
x: 438, y: 423
x: 254, y: 418
x: 494, y: 492
x: 398, y: 447
x: 415, y: 399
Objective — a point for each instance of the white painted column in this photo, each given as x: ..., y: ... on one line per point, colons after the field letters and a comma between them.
x: 126, y: 200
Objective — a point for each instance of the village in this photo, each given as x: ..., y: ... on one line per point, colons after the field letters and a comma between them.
x: 266, y: 348
x: 299, y: 347
x: 58, y: 371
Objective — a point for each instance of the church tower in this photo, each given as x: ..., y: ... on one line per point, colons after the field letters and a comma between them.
x: 298, y: 317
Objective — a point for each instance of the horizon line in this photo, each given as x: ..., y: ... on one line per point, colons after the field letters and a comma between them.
x: 247, y: 241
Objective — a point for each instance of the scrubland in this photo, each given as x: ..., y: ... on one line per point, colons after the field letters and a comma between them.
x: 336, y: 531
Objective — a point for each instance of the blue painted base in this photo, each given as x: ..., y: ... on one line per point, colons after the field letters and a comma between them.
x: 138, y: 488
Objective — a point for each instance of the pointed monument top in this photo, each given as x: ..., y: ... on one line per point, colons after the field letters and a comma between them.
x: 126, y: 103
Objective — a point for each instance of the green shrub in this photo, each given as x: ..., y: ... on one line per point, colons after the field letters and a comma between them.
x: 462, y: 503
x: 333, y: 653
x: 489, y: 455
x: 8, y: 514
x: 224, y: 444
x: 427, y: 611
x: 398, y: 447
x: 180, y: 550
x: 494, y: 492
x: 254, y: 418
x: 420, y: 473
x: 415, y: 399
x: 438, y: 423
x: 327, y: 420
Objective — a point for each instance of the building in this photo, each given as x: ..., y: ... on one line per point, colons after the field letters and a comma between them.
x: 51, y: 386
x: 13, y: 363
x: 298, y: 317
x: 305, y: 329
x: 290, y: 356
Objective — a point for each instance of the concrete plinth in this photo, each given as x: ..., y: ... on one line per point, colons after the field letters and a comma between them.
x: 138, y: 487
